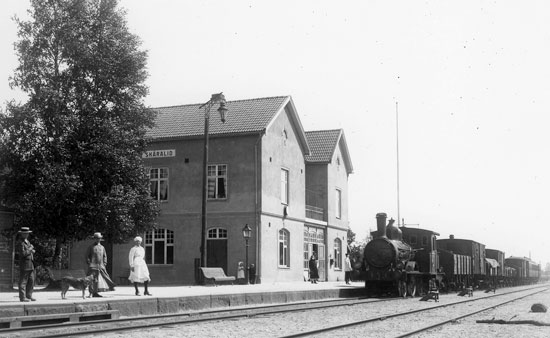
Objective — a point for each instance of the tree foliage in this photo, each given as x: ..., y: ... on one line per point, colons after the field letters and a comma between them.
x: 71, y: 156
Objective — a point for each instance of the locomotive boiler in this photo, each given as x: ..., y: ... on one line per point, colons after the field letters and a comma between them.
x: 393, y: 264
x: 385, y: 259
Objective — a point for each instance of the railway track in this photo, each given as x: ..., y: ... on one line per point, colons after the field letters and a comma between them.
x: 437, y: 321
x: 101, y: 327
x: 143, y: 322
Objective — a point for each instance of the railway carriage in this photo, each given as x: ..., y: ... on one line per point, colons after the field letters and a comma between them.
x: 476, y: 274
x: 456, y: 268
x: 495, y: 266
x: 526, y: 270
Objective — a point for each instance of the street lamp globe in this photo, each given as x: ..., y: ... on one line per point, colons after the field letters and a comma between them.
x: 247, y: 232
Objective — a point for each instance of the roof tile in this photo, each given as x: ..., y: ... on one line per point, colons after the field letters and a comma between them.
x: 244, y: 116
x: 322, y: 144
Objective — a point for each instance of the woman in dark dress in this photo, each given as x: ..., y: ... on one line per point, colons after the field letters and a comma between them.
x: 313, y: 272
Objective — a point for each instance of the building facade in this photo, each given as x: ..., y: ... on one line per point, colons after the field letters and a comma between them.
x: 261, y: 165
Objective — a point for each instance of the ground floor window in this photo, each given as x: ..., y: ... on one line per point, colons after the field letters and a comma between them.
x: 159, y: 246
x: 284, y: 255
x: 338, y: 254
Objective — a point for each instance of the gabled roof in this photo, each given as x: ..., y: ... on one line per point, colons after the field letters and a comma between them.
x: 323, y: 143
x: 243, y: 117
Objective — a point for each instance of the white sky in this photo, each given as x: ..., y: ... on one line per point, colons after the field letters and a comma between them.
x: 471, y: 79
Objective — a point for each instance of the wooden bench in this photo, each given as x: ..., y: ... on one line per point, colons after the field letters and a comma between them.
x: 215, y: 275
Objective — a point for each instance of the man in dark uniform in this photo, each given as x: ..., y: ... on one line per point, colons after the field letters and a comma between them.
x: 96, y: 257
x: 25, y: 251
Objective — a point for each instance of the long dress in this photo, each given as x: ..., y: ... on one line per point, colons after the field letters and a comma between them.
x: 137, y: 261
x: 313, y: 271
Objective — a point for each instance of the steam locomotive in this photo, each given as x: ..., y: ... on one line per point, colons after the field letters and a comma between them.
x: 403, y: 260
x: 399, y: 259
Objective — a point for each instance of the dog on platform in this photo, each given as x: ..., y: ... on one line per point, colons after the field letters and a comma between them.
x: 76, y: 283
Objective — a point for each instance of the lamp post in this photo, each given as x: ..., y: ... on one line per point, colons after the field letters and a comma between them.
x: 215, y: 99
x: 247, y: 233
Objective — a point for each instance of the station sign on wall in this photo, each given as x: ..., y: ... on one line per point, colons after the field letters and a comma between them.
x: 160, y: 153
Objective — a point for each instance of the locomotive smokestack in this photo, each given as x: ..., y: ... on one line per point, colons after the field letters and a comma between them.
x: 381, y: 224
x: 452, y: 236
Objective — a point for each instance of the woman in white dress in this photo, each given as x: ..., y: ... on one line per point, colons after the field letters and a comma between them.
x: 139, y: 273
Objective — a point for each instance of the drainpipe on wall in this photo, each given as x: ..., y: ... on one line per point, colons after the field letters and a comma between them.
x: 257, y: 211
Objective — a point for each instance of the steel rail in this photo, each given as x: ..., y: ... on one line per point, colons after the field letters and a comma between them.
x: 240, y: 312
x: 429, y: 327
x: 401, y: 314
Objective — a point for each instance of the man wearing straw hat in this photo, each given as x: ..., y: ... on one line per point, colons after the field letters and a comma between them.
x: 96, y: 258
x: 26, y: 266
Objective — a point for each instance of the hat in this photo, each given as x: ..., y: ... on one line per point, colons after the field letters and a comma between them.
x: 138, y: 239
x: 25, y: 230
x: 97, y: 235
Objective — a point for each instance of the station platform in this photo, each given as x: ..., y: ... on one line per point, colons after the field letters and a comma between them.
x: 173, y: 299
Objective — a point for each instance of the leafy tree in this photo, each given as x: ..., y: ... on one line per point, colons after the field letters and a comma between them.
x: 351, y: 236
x: 71, y: 156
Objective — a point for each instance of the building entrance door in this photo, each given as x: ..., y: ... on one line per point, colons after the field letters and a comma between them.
x: 216, y: 254
x: 314, y: 243
x: 321, y: 260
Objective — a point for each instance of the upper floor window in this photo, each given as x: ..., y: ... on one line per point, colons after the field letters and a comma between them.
x: 338, y: 254
x: 217, y: 181
x: 158, y: 178
x: 284, y: 186
x: 338, y: 203
x: 159, y: 246
x: 284, y: 254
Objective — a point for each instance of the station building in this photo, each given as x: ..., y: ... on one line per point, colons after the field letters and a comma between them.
x: 264, y: 170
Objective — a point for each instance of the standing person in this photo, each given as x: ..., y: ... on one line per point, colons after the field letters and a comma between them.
x: 26, y: 266
x: 96, y: 257
x: 240, y: 273
x: 313, y: 271
x: 139, y: 273
x: 348, y: 269
x: 252, y: 274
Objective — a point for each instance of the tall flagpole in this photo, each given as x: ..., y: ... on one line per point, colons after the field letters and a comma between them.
x: 397, y: 136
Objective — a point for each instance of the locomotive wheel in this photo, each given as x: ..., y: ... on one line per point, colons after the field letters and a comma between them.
x: 411, y: 287
x: 402, y: 288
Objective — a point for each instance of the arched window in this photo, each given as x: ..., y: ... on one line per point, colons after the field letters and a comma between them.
x: 159, y: 246
x: 338, y: 254
x: 217, y: 233
x: 284, y: 254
